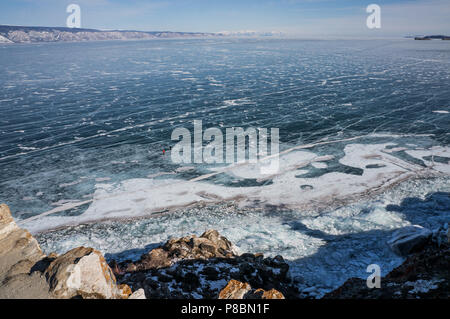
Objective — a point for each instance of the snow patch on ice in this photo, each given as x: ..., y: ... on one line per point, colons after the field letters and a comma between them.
x: 146, y: 197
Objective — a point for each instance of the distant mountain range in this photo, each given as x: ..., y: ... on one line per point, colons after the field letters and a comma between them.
x: 22, y: 34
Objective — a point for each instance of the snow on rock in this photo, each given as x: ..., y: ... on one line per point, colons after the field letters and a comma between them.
x: 200, y: 267
x: 422, y: 286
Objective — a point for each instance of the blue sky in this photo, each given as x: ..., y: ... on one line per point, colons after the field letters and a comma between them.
x: 292, y: 17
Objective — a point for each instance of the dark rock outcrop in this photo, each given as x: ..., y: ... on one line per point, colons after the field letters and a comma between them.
x: 208, y: 245
x: 409, y: 239
x: 200, y: 267
x: 424, y: 274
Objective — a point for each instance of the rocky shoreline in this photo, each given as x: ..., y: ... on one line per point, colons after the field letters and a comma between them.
x: 204, y: 267
x: 182, y: 268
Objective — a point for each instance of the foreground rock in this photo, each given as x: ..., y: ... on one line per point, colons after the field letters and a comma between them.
x: 208, y: 245
x: 200, y: 267
x: 83, y: 272
x: 16, y: 245
x: 262, y: 294
x: 409, y: 239
x: 25, y: 272
x: 239, y: 290
x: 424, y: 274
x: 19, y: 252
x: 235, y: 290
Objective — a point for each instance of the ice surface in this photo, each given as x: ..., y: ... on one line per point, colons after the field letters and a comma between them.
x: 81, y: 140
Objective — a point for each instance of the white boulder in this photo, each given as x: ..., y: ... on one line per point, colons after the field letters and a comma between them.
x: 82, y: 272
